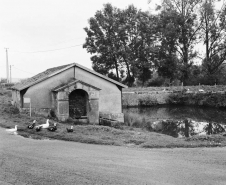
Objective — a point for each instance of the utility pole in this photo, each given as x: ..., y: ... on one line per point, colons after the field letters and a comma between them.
x: 10, y: 70
x: 7, y: 66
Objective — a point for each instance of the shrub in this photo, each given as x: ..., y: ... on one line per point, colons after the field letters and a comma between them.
x: 158, y: 81
x: 11, y: 110
x: 147, y: 100
x: 133, y: 120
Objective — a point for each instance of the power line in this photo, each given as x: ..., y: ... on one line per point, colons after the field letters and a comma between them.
x: 22, y: 70
x: 47, y: 50
x: 64, y: 41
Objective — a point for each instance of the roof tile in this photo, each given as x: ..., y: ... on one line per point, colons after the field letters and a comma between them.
x: 40, y: 76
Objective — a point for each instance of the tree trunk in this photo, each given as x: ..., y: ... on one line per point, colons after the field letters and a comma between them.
x: 116, y: 68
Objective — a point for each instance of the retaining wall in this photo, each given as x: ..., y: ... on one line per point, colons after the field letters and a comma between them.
x: 182, y: 97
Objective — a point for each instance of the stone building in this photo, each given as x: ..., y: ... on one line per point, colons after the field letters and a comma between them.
x: 71, y: 91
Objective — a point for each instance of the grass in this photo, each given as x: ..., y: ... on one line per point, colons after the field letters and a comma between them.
x: 95, y: 134
x: 177, y: 88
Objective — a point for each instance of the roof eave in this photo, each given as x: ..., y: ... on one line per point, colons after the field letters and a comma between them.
x: 73, y: 65
x: 71, y: 83
x: 20, y: 89
x: 102, y: 76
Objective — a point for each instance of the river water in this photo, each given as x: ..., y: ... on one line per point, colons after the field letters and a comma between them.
x: 200, y: 117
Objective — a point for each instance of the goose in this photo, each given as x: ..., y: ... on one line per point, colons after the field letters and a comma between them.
x: 201, y: 90
x: 38, y: 128
x: 70, y: 129
x: 53, y: 128
x: 46, y: 125
x: 12, y: 129
x: 31, y: 126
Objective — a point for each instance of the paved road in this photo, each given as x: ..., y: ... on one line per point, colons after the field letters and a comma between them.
x: 33, y: 162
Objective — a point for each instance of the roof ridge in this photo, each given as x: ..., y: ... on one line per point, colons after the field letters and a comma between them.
x: 55, y: 70
x: 40, y: 76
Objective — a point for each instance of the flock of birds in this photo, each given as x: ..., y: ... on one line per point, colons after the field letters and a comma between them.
x: 40, y: 127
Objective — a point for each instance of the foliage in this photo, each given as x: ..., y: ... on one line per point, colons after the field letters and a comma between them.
x: 121, y: 39
x: 182, y: 20
x: 203, y: 99
x: 166, y: 59
x: 214, y: 36
x: 147, y: 100
x: 11, y: 109
x: 155, y: 82
x: 129, y: 45
x: 102, y: 39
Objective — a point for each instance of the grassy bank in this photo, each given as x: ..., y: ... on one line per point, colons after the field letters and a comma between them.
x: 211, y: 96
x: 217, y: 100
x: 127, y: 135
x: 206, y: 88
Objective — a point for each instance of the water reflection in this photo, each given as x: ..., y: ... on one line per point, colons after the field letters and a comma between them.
x: 187, y: 128
x: 177, y: 121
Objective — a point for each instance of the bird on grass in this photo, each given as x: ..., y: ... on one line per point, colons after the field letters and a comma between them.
x: 31, y: 126
x: 46, y: 125
x: 70, y: 129
x: 53, y: 128
x: 12, y: 129
x: 38, y: 128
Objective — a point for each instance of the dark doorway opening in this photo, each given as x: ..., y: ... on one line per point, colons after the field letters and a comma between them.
x: 78, y: 103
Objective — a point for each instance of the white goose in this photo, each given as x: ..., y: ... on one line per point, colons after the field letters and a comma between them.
x: 46, y: 125
x: 12, y: 129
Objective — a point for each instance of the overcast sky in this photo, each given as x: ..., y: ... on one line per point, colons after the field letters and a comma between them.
x: 29, y: 27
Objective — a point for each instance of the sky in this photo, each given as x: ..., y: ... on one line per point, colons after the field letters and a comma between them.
x: 42, y: 34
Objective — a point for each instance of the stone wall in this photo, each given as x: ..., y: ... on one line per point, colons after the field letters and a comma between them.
x: 214, y: 99
x: 43, y: 112
x: 112, y: 116
x: 151, y: 98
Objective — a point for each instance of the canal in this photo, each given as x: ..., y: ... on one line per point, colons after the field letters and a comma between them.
x: 202, y: 120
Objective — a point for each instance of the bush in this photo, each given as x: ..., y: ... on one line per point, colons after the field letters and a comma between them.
x: 11, y: 110
x: 158, y: 81
x: 147, y: 100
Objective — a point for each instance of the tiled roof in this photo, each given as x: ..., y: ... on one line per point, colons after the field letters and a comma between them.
x: 49, y: 72
x: 41, y: 76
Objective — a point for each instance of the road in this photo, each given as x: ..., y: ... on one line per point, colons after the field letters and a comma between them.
x: 25, y: 161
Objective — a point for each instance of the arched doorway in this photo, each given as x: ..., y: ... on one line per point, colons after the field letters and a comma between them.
x: 78, y: 103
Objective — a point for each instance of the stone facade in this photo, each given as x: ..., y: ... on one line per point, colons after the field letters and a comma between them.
x: 113, y: 116
x: 72, y: 91
x: 91, y: 103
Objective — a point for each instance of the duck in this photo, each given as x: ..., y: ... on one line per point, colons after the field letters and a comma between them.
x: 38, y: 128
x: 12, y: 129
x: 53, y: 128
x: 31, y: 126
x: 46, y: 125
x: 70, y: 129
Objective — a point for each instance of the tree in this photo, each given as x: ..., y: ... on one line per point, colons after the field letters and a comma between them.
x: 214, y: 36
x: 101, y: 40
x: 184, y: 17
x: 139, y: 34
x: 121, y: 40
x: 166, y: 59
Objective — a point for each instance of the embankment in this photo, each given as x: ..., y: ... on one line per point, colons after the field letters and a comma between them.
x: 145, y: 99
x: 211, y: 96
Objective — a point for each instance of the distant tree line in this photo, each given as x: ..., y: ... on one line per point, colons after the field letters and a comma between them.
x: 161, y: 47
